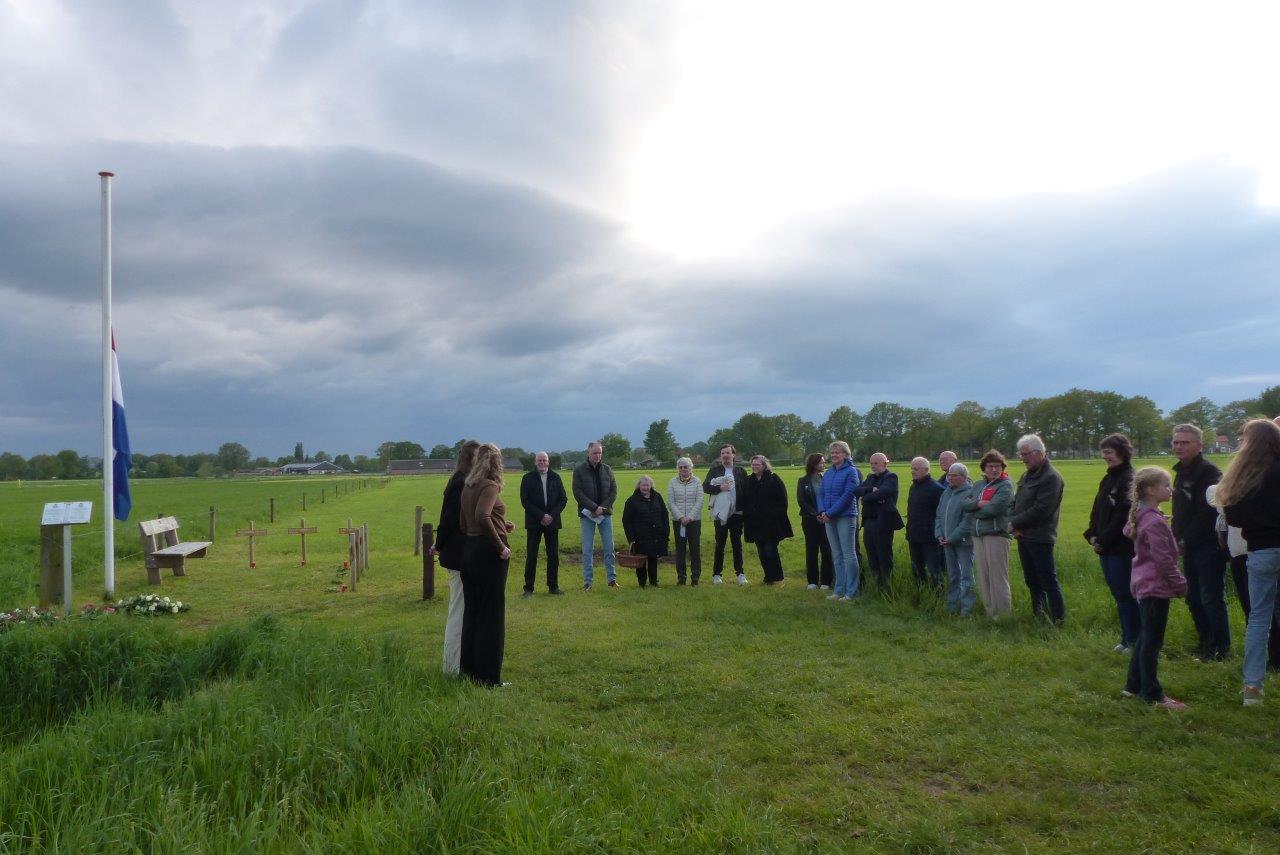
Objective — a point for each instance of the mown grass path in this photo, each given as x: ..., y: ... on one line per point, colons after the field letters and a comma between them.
x: 724, y: 718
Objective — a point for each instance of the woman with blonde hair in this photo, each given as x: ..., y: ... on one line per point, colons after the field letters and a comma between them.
x: 1250, y: 497
x: 484, y: 568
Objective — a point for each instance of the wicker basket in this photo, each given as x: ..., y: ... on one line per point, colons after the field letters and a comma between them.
x: 631, y: 559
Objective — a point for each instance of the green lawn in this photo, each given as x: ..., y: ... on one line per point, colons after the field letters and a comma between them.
x: 684, y: 719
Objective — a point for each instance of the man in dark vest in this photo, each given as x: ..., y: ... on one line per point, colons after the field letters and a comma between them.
x: 1194, y: 525
x: 543, y: 497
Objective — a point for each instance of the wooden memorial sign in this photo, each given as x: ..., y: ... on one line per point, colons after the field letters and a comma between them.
x: 302, y: 531
x: 252, y: 533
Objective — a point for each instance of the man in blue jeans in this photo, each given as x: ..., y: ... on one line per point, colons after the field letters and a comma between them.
x: 595, y: 491
x: 1194, y: 525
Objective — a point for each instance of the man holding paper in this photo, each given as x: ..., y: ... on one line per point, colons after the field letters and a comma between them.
x: 595, y: 491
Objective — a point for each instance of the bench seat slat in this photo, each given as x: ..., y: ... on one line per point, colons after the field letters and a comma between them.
x: 184, y: 548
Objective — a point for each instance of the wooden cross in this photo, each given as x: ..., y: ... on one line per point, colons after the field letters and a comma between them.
x: 251, y: 533
x: 302, y: 531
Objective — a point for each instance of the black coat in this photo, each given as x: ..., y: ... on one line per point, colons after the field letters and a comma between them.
x: 884, y: 499
x: 1111, y: 512
x: 1194, y: 519
x: 449, y: 537
x: 806, y: 497
x: 764, y: 509
x: 922, y: 510
x: 646, y: 523
x: 531, y: 498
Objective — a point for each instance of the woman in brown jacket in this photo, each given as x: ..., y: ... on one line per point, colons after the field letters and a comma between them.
x: 484, y: 568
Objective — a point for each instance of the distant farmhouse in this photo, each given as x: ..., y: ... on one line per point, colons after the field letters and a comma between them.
x: 322, y: 467
x: 419, y: 467
x: 441, y: 467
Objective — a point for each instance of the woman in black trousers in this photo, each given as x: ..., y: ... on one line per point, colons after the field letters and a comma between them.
x: 815, y: 533
x: 646, y: 522
x: 764, y: 516
x: 484, y: 568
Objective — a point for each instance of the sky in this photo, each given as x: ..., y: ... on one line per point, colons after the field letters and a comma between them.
x: 348, y: 222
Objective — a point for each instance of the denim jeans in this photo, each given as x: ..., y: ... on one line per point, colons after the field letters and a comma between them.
x: 840, y: 534
x: 1205, y: 567
x: 959, y: 578
x: 589, y: 545
x: 1117, y: 570
x: 1264, y: 572
x: 1145, y: 656
x: 1041, y: 576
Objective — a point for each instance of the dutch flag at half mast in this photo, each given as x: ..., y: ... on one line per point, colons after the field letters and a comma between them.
x: 121, y: 459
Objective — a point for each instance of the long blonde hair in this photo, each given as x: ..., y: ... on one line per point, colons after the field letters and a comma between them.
x: 487, y: 465
x: 1259, y: 450
x: 1143, y: 480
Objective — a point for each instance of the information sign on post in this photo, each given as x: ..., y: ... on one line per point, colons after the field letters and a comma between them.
x: 59, y: 515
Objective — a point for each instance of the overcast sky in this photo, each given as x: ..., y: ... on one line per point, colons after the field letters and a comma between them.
x: 347, y: 222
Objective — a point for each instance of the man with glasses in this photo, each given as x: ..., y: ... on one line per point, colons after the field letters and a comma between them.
x: 1034, y: 524
x: 1195, y: 527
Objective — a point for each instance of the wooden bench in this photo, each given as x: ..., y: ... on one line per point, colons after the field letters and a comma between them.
x: 161, y: 548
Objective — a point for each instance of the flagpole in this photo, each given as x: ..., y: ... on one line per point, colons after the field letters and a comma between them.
x: 108, y: 473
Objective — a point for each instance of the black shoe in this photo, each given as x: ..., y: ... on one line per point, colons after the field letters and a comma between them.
x: 679, y: 582
x: 527, y: 594
x: 556, y: 592
x: 694, y: 583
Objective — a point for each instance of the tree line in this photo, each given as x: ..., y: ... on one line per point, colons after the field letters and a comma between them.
x: 1070, y: 423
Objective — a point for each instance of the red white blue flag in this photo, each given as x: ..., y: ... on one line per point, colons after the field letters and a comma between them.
x: 121, y: 459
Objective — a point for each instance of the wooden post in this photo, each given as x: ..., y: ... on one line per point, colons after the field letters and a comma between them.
x: 322, y: 495
x: 364, y: 547
x: 350, y: 531
x: 304, y: 501
x: 302, y: 531
x: 417, y: 529
x: 428, y: 536
x: 273, y: 510
x: 50, y: 564
x: 252, y: 533
x: 213, y: 523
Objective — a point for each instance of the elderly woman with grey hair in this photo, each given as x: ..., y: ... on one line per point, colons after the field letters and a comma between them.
x: 953, y: 527
x: 645, y: 521
x: 684, y: 501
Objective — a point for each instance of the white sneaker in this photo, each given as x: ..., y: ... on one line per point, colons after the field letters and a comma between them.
x: 716, y: 580
x: 824, y: 587
x: 845, y: 599
x: 742, y: 578
x: 812, y: 587
x: 833, y: 596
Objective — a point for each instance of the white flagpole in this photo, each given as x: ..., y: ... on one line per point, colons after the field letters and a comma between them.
x: 108, y: 447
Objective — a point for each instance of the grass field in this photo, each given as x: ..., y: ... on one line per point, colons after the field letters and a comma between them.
x: 277, y: 716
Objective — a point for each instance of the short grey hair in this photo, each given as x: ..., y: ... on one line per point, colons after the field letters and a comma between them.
x: 542, y: 454
x: 944, y: 453
x: 958, y: 469
x: 642, y: 479
x: 684, y: 461
x: 1191, y: 429
x: 1031, y: 441
x: 594, y: 443
x: 923, y: 460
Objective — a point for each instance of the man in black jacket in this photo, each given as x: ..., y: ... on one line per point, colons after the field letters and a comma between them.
x: 922, y: 512
x: 543, y: 497
x: 1034, y: 524
x: 880, y: 516
x: 595, y: 491
x: 723, y: 481
x: 1203, y: 563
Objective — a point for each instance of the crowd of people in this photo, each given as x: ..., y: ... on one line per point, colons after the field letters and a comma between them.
x: 959, y: 530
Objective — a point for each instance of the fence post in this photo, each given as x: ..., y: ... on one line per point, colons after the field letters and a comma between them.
x: 273, y: 510
x: 428, y: 562
x: 213, y: 522
x: 417, y: 530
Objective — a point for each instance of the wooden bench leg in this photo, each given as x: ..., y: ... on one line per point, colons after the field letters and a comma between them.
x: 153, y: 574
x: 180, y: 567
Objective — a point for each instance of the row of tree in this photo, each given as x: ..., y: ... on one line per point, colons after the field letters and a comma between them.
x: 1071, y: 424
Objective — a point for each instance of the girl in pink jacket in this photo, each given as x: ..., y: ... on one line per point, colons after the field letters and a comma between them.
x: 1155, y: 580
